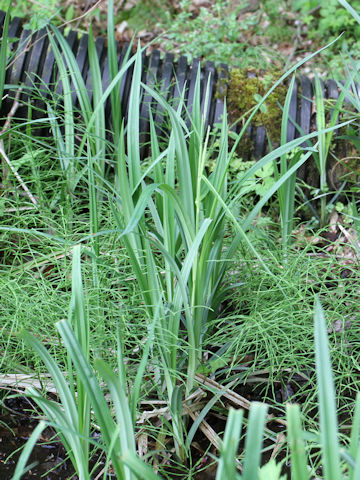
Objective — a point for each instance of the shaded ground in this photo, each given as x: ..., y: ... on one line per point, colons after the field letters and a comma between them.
x: 48, y: 456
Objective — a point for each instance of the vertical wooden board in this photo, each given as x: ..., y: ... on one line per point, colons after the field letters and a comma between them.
x: 332, y: 89
x: 2, y: 19
x: 151, y: 75
x: 36, y: 59
x: 14, y: 32
x: 305, y: 116
x: 82, y: 59
x: 180, y: 79
x: 305, y: 105
x: 222, y: 82
x: 260, y: 139
x: 147, y: 101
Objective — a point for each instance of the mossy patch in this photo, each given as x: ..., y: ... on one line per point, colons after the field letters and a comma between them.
x: 245, y: 88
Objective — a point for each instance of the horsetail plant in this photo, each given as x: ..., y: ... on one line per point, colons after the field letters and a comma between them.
x: 337, y: 462
x: 118, y: 437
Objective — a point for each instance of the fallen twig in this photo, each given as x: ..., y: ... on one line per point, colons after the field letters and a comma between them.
x: 234, y: 397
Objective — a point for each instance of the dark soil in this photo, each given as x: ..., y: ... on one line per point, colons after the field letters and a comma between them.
x: 48, y: 456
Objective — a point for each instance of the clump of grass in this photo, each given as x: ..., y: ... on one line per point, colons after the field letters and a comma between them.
x: 264, y: 338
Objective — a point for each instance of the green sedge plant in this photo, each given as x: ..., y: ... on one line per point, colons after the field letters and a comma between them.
x: 94, y: 136
x: 72, y: 413
x: 88, y: 158
x: 78, y: 390
x: 353, y: 98
x: 197, y: 203
x: 320, y: 153
x: 348, y: 94
x: 284, y: 172
x: 286, y: 192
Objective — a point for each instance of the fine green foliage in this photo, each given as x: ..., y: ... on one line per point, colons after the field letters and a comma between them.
x: 41, y: 14
x: 328, y: 16
x: 329, y: 436
x: 119, y: 437
x: 222, y: 35
x: 331, y: 453
x: 326, y: 19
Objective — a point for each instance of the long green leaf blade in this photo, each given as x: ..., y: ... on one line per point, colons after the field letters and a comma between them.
x: 227, y: 466
x: 327, y: 405
x: 254, y: 441
x: 299, y: 468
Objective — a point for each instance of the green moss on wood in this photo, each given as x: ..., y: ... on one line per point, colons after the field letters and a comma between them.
x: 244, y: 89
x: 243, y: 95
